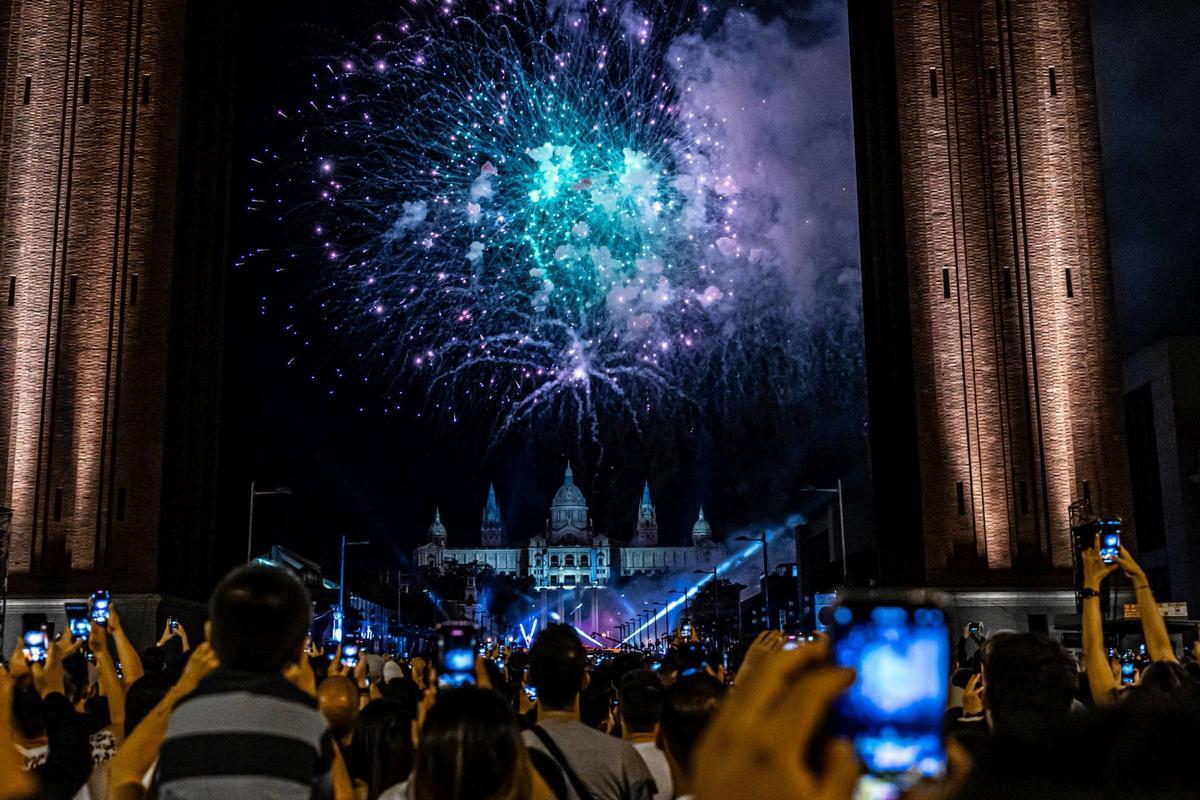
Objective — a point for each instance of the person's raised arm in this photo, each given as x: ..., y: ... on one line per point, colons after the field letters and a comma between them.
x: 69, y: 761
x: 758, y: 743
x: 15, y: 782
x: 127, y: 654
x: 110, y: 684
x: 1154, y: 629
x: 135, y: 758
x: 766, y: 642
x: 1100, y: 678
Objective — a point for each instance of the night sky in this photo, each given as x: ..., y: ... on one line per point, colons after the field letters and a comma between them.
x: 1149, y: 79
x: 377, y: 477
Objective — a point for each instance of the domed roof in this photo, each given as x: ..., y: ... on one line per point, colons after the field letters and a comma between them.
x: 701, y: 529
x: 437, y: 529
x: 568, y: 495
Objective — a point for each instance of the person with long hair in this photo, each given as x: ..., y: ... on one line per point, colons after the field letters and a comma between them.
x: 470, y: 749
x: 381, y: 752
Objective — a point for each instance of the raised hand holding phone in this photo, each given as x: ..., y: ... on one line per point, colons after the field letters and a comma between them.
x: 79, y: 624
x: 1095, y: 570
x: 48, y: 675
x: 456, y: 658
x: 758, y: 744
x: 35, y: 640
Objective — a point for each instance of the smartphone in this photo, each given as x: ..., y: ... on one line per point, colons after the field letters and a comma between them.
x: 1110, y: 546
x: 685, y: 630
x: 531, y: 693
x: 100, y: 604
x: 898, y: 643
x: 456, y: 645
x: 331, y: 646
x: 692, y: 659
x: 172, y: 625
x: 350, y: 650
x: 34, y: 638
x: 1127, y: 669
x: 78, y: 624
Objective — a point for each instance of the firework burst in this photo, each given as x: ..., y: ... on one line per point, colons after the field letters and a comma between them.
x: 514, y: 213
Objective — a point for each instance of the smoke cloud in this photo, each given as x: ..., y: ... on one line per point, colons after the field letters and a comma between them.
x: 777, y: 94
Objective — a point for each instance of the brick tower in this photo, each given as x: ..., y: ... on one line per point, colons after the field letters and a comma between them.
x: 113, y: 174
x: 986, y: 284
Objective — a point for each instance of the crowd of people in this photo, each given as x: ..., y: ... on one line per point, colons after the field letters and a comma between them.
x: 254, y: 709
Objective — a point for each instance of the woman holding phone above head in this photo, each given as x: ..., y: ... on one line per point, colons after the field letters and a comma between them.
x: 1098, y: 564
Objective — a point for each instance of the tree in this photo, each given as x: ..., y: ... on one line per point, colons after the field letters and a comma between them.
x: 499, y: 594
x: 714, y: 611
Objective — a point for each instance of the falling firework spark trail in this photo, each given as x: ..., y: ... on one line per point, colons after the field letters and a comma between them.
x: 514, y: 214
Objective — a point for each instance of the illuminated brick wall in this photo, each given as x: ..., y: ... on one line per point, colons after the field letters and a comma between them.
x: 90, y: 154
x: 1017, y: 389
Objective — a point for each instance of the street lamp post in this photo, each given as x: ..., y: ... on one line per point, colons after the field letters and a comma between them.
x: 342, y: 580
x: 841, y: 523
x: 254, y: 492
x: 762, y: 538
x: 685, y: 600
x: 654, y: 616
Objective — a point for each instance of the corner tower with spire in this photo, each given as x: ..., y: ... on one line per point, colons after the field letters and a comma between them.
x: 437, y: 531
x: 491, y: 531
x: 646, y: 534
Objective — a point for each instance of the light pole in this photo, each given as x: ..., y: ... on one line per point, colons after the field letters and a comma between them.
x: 654, y: 616
x: 762, y: 538
x: 685, y: 601
x: 342, y: 580
x: 841, y: 523
x: 645, y: 624
x: 716, y: 610
x: 254, y: 492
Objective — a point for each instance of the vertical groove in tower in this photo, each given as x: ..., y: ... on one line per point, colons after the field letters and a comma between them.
x: 1009, y: 291
x: 90, y: 155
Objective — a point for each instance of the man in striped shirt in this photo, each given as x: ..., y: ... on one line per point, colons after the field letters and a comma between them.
x: 246, y: 730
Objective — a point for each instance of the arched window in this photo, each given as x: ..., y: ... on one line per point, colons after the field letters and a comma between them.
x: 554, y: 561
x: 583, y: 561
x: 600, y: 561
x: 568, y: 561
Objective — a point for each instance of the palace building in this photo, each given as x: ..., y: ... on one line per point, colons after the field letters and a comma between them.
x: 570, y: 553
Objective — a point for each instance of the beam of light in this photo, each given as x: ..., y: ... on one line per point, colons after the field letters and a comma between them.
x: 579, y: 630
x: 729, y: 564
x: 528, y: 637
x: 521, y: 215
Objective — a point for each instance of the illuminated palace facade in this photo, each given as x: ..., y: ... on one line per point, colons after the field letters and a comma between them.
x: 570, y: 554
x: 995, y: 388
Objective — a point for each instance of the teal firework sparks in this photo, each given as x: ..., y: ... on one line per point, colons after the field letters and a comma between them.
x: 511, y: 213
